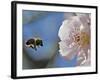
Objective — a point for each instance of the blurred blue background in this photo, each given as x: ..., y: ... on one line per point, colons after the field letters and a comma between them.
x: 44, y: 25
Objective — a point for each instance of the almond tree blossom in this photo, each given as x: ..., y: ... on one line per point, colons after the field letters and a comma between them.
x: 75, y: 38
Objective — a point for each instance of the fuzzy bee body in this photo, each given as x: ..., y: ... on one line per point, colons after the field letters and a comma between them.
x: 34, y: 43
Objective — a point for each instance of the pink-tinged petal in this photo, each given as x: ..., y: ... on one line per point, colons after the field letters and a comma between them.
x: 81, y: 57
x: 88, y: 60
x: 67, y: 51
x: 84, y: 57
x: 71, y: 53
x: 82, y: 61
x: 64, y: 31
x: 69, y: 26
x: 85, y: 22
x: 86, y: 50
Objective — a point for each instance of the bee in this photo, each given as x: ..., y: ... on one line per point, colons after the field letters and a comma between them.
x: 34, y: 43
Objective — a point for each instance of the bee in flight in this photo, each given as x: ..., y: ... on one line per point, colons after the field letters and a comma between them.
x: 34, y: 43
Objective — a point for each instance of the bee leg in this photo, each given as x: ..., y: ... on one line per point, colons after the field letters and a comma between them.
x: 35, y: 48
x: 41, y: 43
x: 32, y: 47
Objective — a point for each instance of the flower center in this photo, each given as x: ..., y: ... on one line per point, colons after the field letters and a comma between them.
x: 82, y: 39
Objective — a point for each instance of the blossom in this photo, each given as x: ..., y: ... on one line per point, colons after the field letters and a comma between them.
x: 74, y: 35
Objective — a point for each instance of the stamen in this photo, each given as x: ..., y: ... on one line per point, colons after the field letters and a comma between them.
x: 82, y: 39
x: 85, y: 39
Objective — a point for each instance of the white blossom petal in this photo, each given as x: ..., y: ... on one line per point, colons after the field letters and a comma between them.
x: 67, y: 51
x: 73, y: 30
x: 63, y: 31
x: 85, y: 21
x: 82, y: 60
x: 68, y: 27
